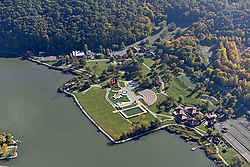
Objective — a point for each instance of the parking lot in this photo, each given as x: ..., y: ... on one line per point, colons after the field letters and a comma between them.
x: 237, y: 134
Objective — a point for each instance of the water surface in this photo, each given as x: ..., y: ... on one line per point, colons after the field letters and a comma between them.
x: 55, y: 133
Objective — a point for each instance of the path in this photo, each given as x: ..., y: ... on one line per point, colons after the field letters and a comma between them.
x: 98, y: 60
x: 146, y: 66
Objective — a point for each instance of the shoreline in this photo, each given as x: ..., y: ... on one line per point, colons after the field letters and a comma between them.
x: 98, y: 126
x: 103, y: 131
x: 89, y: 117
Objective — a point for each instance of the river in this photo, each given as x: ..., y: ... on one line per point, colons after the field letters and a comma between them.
x: 54, y: 132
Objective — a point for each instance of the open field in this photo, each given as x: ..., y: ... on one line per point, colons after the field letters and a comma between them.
x: 152, y: 38
x: 95, y: 104
x: 180, y: 87
x: 100, y: 66
x: 149, y: 62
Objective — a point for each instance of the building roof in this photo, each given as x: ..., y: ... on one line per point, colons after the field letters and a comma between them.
x: 49, y: 58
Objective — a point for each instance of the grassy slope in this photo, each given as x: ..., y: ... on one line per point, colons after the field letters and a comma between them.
x: 100, y: 110
x: 179, y: 88
x: 149, y: 62
x: 102, y: 65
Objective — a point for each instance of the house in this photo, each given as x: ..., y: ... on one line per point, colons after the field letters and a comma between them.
x: 182, y: 117
x: 90, y: 54
x: 113, y: 83
x: 48, y: 58
x: 210, y: 116
x: 192, y: 111
x: 132, y: 84
x: 213, y: 100
x: 108, y: 53
x: 179, y: 111
x: 192, y: 122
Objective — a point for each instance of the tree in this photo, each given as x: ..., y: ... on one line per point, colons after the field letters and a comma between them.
x: 180, y: 98
x: 237, y: 162
x: 103, y: 77
x: 145, y: 83
x: 122, y: 46
x: 85, y: 47
x: 209, y: 131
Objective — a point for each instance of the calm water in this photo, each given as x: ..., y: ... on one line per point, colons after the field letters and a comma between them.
x: 55, y: 133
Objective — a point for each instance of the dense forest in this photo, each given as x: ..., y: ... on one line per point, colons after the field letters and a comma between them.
x: 62, y: 26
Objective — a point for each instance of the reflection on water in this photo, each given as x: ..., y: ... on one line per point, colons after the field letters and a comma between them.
x: 55, y: 133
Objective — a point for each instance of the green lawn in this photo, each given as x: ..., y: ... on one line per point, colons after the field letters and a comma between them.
x: 186, y: 80
x: 169, y: 122
x: 153, y: 107
x: 101, y: 65
x: 149, y: 62
x: 229, y: 154
x: 146, y: 117
x: 132, y: 111
x: 202, y: 127
x: 145, y: 70
x: 95, y: 104
x: 179, y: 87
x: 121, y: 84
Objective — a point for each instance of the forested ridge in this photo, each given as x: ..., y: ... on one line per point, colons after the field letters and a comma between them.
x: 63, y: 26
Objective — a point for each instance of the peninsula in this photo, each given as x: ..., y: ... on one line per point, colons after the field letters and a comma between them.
x: 141, y: 66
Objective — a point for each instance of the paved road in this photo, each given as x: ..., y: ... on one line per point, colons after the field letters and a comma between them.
x: 132, y: 96
x: 237, y: 135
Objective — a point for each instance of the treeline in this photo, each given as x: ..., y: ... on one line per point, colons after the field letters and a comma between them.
x: 62, y: 26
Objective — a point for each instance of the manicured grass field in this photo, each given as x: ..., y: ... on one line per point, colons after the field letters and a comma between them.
x: 101, y: 65
x: 132, y: 111
x: 179, y: 87
x: 95, y: 104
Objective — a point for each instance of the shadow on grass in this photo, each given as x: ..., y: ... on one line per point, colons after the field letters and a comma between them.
x: 192, y: 93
